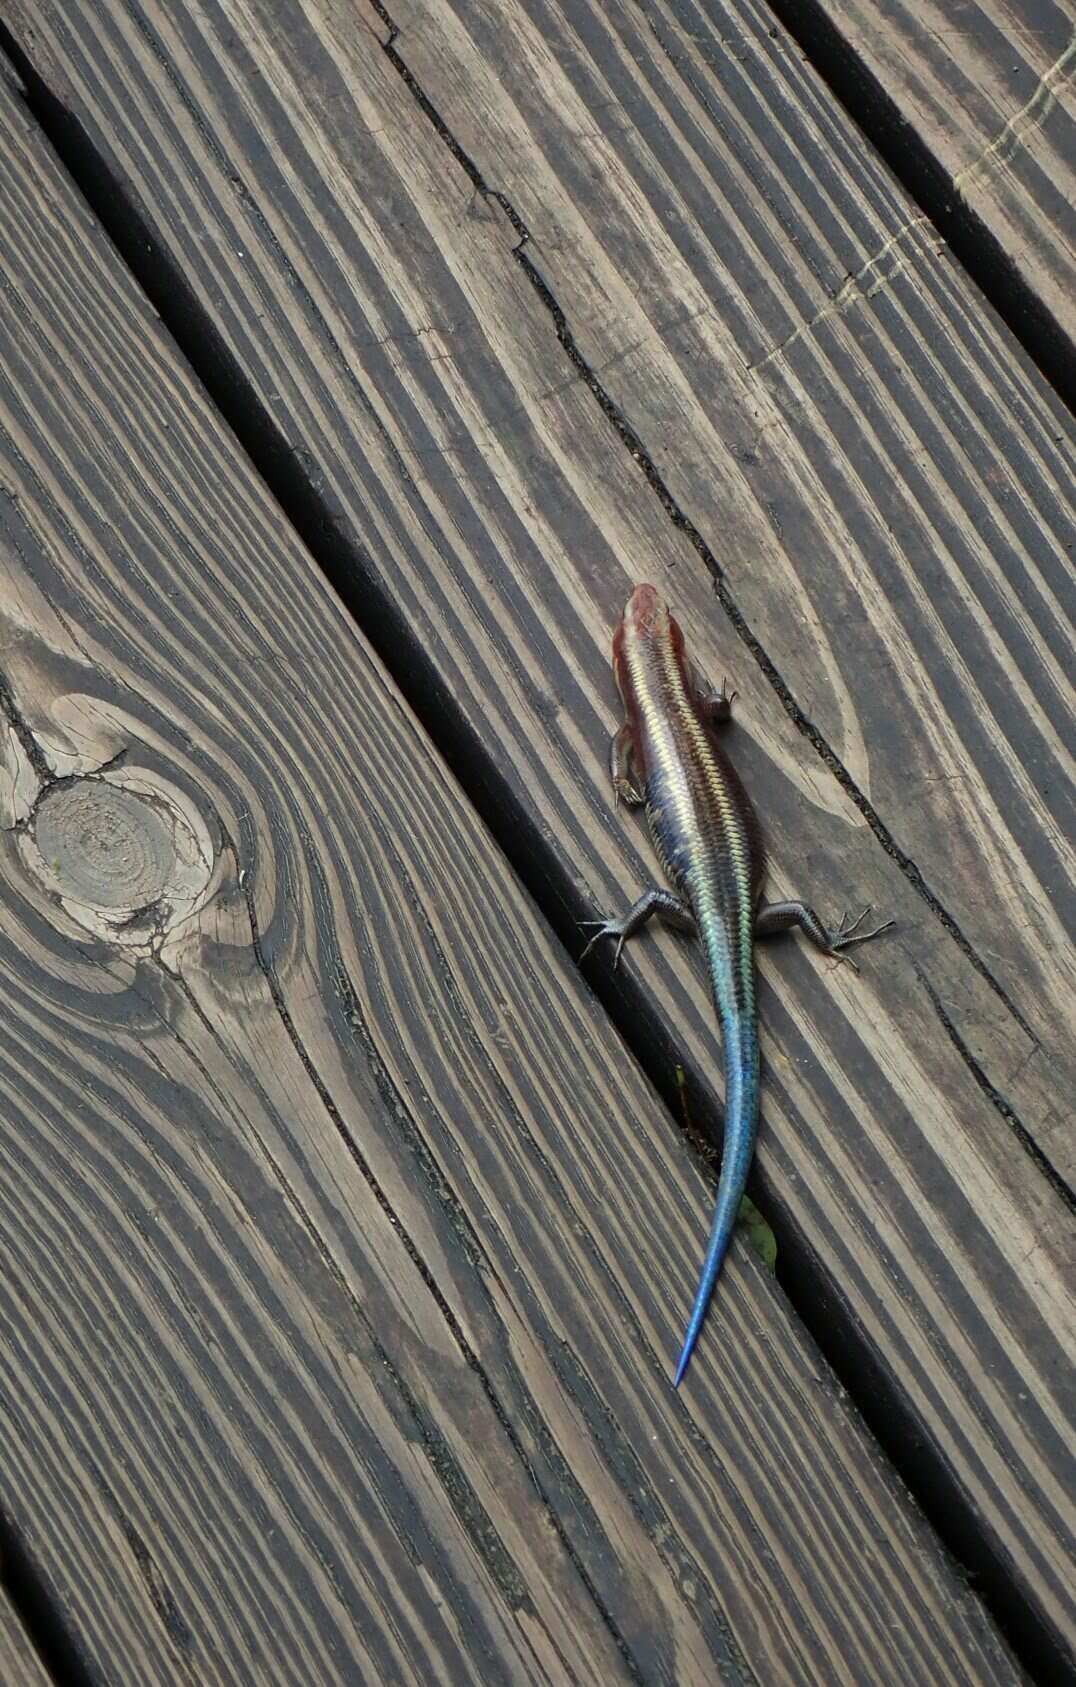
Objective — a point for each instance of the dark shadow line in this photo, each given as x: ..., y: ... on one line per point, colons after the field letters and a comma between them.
x: 32, y: 1600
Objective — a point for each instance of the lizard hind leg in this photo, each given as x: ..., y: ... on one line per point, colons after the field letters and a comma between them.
x: 651, y: 902
x: 773, y: 917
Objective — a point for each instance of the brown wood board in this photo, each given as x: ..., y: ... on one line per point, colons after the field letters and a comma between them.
x: 343, y: 1245
x: 373, y: 300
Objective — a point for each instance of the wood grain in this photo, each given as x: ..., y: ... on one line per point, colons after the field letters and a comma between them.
x: 988, y: 90
x: 897, y: 547
x: 343, y: 1245
x: 882, y: 485
x: 376, y: 305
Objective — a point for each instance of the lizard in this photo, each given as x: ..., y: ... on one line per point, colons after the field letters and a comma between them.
x: 708, y: 839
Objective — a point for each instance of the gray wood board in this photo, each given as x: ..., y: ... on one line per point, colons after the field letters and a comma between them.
x: 343, y: 1246
x: 381, y: 311
x: 881, y: 483
x: 979, y: 100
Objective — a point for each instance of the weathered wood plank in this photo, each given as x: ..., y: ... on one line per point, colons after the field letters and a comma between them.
x: 343, y: 1245
x: 373, y: 302
x: 849, y: 512
x: 20, y: 1665
x: 986, y: 89
x: 884, y: 489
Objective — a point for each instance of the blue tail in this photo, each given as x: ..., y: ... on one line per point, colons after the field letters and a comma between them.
x: 741, y: 1112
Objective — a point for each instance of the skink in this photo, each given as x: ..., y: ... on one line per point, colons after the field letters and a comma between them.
x: 708, y: 840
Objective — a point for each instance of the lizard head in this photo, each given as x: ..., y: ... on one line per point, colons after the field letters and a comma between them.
x: 646, y: 617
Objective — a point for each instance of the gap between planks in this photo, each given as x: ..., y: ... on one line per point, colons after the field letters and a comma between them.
x: 329, y: 553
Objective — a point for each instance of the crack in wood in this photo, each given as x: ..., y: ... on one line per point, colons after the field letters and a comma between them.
x: 641, y: 455
x: 470, y: 1357
x: 996, y: 1099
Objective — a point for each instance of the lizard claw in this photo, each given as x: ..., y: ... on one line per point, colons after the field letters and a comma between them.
x: 848, y: 933
x: 848, y: 927
x: 606, y: 928
x: 839, y: 955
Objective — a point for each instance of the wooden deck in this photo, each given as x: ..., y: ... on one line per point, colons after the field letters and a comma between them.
x: 353, y: 364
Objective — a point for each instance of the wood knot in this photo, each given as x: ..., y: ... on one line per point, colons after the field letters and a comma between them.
x: 126, y: 853
x: 108, y: 848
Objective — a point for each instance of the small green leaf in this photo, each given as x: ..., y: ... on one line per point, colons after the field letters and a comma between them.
x: 759, y: 1234
x: 681, y: 1084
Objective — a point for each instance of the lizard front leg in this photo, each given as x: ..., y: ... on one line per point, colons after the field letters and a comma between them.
x: 623, y: 768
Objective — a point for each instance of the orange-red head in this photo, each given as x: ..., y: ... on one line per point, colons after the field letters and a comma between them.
x: 645, y: 621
